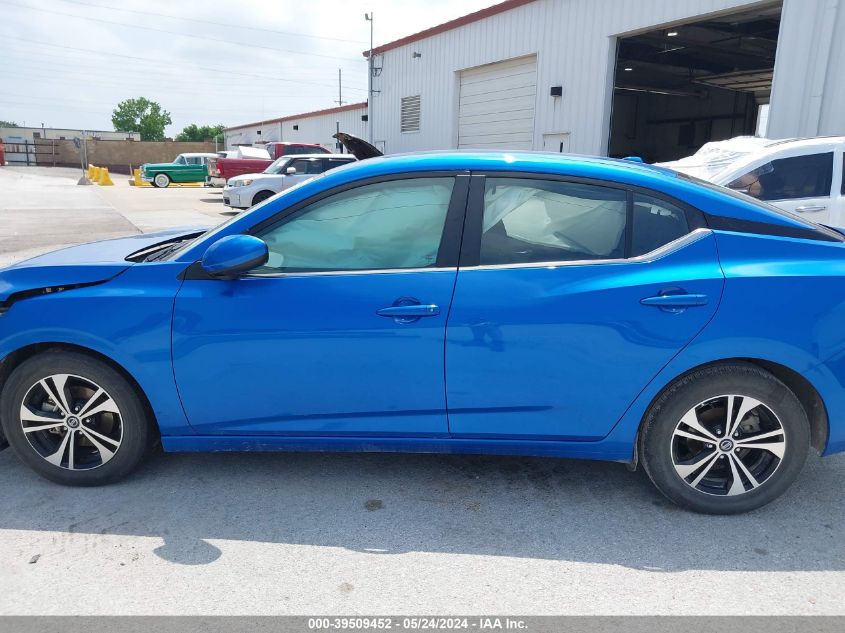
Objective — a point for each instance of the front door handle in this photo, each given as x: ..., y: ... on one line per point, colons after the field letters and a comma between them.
x: 675, y: 302
x: 409, y: 310
x: 811, y: 208
x: 416, y: 311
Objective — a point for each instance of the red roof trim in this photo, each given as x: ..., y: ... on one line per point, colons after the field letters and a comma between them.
x: 448, y: 26
x: 293, y: 117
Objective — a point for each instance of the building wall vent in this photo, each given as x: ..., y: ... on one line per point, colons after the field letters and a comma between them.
x: 410, y: 114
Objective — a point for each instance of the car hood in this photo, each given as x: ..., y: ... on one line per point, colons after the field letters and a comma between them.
x: 160, y: 165
x: 359, y: 148
x: 254, y: 176
x: 81, y: 265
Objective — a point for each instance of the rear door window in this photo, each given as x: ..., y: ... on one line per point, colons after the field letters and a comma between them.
x: 528, y: 221
x: 532, y: 221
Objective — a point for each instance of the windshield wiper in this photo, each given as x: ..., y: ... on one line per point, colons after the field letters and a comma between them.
x: 163, y: 252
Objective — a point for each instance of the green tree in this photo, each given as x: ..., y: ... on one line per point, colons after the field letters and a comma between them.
x: 8, y: 124
x: 193, y: 132
x: 141, y: 115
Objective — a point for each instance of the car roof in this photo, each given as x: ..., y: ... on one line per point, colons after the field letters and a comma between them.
x: 706, y: 197
x: 197, y: 154
x: 808, y: 141
x: 295, y: 156
x: 541, y: 162
x: 293, y: 143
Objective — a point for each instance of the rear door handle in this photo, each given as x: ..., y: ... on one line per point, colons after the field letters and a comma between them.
x: 415, y: 311
x: 675, y: 302
x: 811, y: 208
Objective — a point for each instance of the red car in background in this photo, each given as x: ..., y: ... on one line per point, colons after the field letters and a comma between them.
x: 221, y: 169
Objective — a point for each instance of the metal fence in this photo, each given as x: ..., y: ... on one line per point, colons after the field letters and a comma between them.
x: 41, y: 152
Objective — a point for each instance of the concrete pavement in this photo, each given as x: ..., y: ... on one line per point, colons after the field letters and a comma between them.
x: 43, y: 208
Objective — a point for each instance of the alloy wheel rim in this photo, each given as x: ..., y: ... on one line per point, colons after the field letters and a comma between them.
x: 728, y: 445
x: 71, y: 422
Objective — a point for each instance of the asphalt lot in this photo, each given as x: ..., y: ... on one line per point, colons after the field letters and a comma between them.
x: 379, y: 533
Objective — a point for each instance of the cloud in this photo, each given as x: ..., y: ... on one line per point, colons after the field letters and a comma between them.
x: 67, y: 63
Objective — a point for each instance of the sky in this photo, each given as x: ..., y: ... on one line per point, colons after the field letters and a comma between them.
x: 68, y: 63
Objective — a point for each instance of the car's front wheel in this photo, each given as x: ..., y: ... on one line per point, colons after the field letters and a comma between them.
x: 261, y: 196
x: 725, y: 439
x: 161, y: 180
x: 74, y: 419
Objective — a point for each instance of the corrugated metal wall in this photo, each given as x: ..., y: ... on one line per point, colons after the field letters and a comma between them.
x: 312, y: 129
x: 808, y: 93
x: 575, y: 43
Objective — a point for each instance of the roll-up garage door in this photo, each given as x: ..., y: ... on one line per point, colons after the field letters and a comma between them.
x: 496, y: 107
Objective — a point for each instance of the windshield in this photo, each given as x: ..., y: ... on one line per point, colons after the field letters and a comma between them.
x: 180, y: 160
x: 278, y: 166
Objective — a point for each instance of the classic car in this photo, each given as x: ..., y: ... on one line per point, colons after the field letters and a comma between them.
x: 190, y: 167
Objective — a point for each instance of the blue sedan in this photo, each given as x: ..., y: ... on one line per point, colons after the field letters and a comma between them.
x: 497, y: 303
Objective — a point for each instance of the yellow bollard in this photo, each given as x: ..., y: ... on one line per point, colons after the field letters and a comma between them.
x: 90, y: 172
x: 105, y: 179
x: 136, y: 178
x: 95, y: 174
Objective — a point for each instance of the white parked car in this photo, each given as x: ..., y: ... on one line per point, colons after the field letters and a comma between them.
x: 804, y: 176
x: 242, y: 192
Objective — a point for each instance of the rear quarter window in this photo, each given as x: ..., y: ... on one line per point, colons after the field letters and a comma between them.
x: 656, y: 222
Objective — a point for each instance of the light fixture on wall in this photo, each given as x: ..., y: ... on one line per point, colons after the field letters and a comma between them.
x: 296, y: 127
x: 672, y: 34
x: 556, y: 91
x: 416, y: 55
x: 628, y: 69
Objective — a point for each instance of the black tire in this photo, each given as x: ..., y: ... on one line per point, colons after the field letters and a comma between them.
x: 131, y: 424
x: 261, y: 196
x: 161, y: 181
x: 704, y: 391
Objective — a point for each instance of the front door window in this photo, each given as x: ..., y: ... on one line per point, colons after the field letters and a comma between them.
x: 388, y: 225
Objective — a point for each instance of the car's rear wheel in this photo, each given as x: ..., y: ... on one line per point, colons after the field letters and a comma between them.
x: 161, y: 180
x: 261, y: 196
x: 74, y: 419
x: 725, y: 439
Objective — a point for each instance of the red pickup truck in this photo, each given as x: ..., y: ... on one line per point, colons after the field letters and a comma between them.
x: 221, y: 169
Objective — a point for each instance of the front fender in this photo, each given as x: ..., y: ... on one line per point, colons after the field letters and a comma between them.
x: 127, y: 320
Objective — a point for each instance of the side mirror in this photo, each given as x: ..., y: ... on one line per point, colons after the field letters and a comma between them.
x: 233, y: 255
x: 290, y: 171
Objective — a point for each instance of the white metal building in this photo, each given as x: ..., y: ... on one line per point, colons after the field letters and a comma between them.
x: 29, y: 134
x: 311, y: 127
x: 653, y: 77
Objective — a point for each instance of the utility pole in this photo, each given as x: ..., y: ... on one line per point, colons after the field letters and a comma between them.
x: 369, y: 18
x: 339, y: 88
